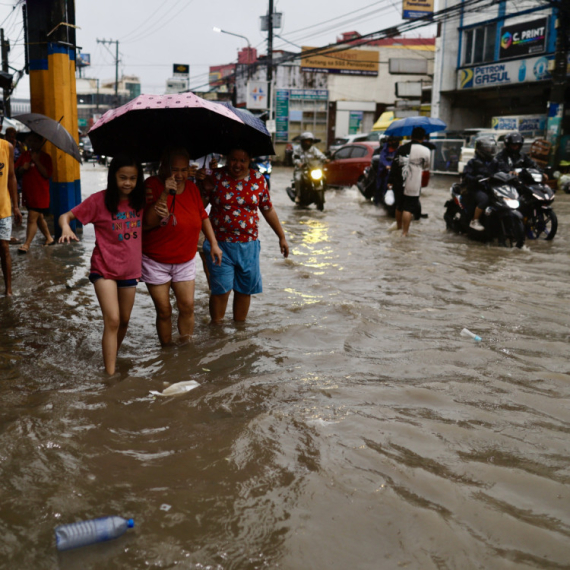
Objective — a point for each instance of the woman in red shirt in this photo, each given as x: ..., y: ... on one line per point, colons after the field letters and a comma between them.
x: 34, y: 168
x: 173, y: 219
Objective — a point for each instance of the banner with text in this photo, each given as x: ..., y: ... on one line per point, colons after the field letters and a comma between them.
x: 523, y: 39
x: 505, y: 73
x: 348, y: 62
x: 417, y: 9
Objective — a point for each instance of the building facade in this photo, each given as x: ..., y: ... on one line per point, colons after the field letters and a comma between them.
x: 493, y: 68
x: 337, y: 94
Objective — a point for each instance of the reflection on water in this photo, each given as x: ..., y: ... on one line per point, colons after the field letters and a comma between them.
x: 346, y: 425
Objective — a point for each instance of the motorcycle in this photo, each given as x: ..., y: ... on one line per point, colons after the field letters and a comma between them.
x: 312, y: 186
x: 263, y: 165
x: 501, y: 219
x: 536, y: 205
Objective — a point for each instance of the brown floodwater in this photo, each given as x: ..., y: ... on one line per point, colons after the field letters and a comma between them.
x: 347, y: 424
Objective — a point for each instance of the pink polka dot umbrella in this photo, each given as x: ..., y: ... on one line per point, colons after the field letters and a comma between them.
x: 148, y: 124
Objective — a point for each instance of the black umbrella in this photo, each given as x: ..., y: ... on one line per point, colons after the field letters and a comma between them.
x: 148, y: 124
x: 52, y: 131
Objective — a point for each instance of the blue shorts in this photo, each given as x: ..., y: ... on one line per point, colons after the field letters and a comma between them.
x: 121, y: 283
x: 239, y: 270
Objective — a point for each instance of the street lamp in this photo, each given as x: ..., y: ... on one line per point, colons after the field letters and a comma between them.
x: 220, y: 31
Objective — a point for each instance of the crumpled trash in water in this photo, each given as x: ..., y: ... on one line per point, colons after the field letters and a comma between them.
x: 178, y: 388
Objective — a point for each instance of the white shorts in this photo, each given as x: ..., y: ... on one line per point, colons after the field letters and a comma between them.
x: 6, y: 228
x: 156, y: 273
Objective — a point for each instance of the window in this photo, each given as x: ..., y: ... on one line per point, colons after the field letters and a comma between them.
x: 479, y: 44
x: 343, y: 153
x: 359, y: 152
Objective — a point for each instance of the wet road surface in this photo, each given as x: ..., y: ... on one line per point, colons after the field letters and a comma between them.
x: 347, y: 424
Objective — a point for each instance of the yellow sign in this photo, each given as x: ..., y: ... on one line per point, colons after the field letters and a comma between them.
x: 416, y: 8
x: 348, y: 62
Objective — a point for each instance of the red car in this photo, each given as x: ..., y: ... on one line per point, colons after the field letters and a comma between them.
x: 348, y: 163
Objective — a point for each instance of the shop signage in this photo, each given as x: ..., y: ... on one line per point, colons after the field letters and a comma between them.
x: 83, y: 60
x: 526, y: 38
x: 257, y: 95
x: 282, y: 115
x: 505, y: 73
x: 531, y: 125
x: 347, y: 62
x: 180, y: 69
x: 354, y: 122
x: 310, y: 94
x: 416, y: 9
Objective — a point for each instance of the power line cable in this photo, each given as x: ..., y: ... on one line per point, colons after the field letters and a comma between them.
x: 147, y: 34
x: 137, y: 30
x: 146, y: 29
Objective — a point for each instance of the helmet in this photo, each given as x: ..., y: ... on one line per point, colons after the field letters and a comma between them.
x: 514, y: 138
x: 486, y: 148
x: 306, y: 136
x: 393, y: 140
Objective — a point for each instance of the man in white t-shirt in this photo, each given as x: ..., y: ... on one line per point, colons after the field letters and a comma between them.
x: 410, y: 161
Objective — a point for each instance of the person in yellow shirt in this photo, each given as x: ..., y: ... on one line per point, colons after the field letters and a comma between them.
x: 8, y: 203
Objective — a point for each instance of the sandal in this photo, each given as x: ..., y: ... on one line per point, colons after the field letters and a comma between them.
x: 23, y: 249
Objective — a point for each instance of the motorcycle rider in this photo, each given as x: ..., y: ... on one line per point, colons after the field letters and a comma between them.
x: 303, y: 153
x: 387, y: 153
x: 479, y: 167
x: 511, y: 157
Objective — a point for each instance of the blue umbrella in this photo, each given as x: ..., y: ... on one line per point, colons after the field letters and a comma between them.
x: 404, y: 127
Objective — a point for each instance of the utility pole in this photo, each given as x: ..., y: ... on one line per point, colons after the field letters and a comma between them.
x: 269, y: 53
x: 51, y: 48
x: 5, y: 68
x: 557, y: 103
x: 116, y: 42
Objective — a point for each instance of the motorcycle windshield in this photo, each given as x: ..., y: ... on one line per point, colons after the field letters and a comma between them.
x: 506, y: 192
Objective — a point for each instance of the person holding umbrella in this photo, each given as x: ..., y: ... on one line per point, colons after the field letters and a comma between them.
x: 34, y: 167
x: 406, y: 177
x: 173, y: 219
x: 236, y: 192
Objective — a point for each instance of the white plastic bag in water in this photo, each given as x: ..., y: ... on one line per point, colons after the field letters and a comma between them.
x: 178, y: 388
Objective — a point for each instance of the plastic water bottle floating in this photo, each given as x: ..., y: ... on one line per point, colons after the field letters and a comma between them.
x: 468, y: 333
x: 74, y: 535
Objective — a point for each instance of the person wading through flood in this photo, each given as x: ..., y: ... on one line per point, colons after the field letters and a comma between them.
x: 35, y: 168
x: 236, y: 192
x: 8, y: 202
x: 405, y: 178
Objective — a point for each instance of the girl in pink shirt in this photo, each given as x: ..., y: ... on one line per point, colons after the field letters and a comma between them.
x: 116, y: 214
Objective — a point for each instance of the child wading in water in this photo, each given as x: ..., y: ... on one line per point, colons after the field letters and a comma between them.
x: 116, y: 214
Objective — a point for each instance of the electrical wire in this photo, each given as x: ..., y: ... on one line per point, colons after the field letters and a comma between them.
x: 137, y: 30
x: 12, y: 12
x: 147, y: 28
x: 146, y: 34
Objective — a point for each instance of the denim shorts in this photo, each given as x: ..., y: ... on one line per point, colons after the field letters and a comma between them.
x: 121, y: 283
x: 239, y: 270
x: 6, y: 228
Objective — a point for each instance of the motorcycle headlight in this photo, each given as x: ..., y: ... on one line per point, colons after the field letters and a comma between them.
x: 316, y: 174
x: 262, y: 169
x: 514, y: 204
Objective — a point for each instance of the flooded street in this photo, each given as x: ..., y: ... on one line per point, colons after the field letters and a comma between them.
x: 346, y: 425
